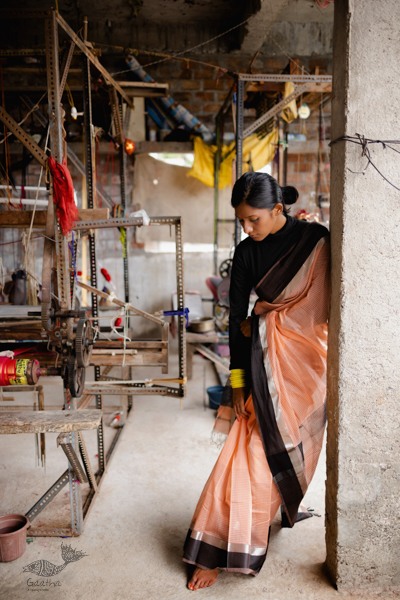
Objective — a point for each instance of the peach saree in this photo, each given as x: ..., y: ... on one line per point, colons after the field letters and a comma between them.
x: 268, y: 460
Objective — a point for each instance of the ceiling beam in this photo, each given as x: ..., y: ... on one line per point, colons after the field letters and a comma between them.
x: 259, y: 24
x: 93, y: 59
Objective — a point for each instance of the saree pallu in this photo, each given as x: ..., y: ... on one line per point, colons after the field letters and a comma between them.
x: 269, y: 459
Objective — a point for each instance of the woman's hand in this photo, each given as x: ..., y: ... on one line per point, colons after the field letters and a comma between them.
x: 245, y: 327
x: 238, y: 399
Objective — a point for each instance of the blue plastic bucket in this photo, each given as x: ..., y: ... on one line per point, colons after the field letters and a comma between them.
x: 215, y: 393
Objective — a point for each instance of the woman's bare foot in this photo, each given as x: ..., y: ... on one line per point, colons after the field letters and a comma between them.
x: 202, y: 578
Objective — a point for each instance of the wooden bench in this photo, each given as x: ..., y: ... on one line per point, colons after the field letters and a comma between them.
x: 46, y: 421
x: 63, y: 422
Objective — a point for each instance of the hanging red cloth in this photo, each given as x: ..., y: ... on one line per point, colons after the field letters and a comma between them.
x: 63, y: 188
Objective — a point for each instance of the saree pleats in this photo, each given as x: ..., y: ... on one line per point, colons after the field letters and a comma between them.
x: 269, y: 459
x: 230, y: 526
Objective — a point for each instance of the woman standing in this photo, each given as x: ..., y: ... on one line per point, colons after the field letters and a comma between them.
x: 278, y: 381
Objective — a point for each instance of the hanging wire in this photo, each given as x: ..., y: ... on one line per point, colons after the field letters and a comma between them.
x: 364, y: 142
x: 35, y: 107
x: 187, y: 50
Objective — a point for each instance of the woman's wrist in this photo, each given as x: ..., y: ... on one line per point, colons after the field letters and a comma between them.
x: 238, y: 378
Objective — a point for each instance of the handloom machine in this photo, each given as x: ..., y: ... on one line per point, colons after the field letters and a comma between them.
x: 59, y: 337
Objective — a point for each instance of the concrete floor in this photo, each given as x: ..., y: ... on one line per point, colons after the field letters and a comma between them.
x: 135, y: 529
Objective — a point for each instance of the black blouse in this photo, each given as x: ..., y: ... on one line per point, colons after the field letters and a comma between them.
x: 250, y: 263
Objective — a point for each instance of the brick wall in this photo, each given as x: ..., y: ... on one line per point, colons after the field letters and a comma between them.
x: 203, y: 88
x: 308, y: 162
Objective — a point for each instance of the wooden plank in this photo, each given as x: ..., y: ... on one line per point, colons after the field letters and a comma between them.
x: 58, y: 421
x: 11, y: 324
x: 223, y: 364
x: 210, y: 337
x: 23, y: 218
x: 145, y: 89
x: 276, y: 87
x: 144, y: 359
x: 146, y: 147
x: 134, y: 345
x: 12, y: 335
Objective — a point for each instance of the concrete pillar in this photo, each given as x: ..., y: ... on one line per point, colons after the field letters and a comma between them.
x: 363, y: 486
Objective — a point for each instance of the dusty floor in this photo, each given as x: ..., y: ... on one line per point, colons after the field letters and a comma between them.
x: 134, y: 532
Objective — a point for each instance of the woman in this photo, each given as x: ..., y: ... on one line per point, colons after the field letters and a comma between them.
x: 278, y: 381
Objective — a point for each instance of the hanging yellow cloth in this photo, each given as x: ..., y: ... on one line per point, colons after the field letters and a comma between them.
x: 289, y: 113
x: 256, y: 153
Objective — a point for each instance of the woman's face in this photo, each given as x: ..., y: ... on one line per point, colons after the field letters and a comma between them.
x: 258, y: 223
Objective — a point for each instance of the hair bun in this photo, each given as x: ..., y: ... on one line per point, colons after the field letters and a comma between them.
x: 289, y: 194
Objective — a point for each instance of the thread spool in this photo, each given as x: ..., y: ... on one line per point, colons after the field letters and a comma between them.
x: 19, y: 371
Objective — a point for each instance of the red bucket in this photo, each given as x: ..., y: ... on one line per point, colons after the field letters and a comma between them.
x: 12, y: 536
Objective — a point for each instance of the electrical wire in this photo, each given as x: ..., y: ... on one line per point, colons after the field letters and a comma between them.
x: 364, y: 142
x: 191, y: 49
x: 35, y: 107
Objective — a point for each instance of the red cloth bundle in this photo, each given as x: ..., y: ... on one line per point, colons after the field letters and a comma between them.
x: 63, y: 188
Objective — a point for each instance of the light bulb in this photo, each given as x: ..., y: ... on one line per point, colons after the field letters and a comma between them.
x: 129, y: 146
x: 304, y: 111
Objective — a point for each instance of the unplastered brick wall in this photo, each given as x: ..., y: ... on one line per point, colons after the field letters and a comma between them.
x: 308, y: 161
x: 203, y: 88
x: 201, y: 85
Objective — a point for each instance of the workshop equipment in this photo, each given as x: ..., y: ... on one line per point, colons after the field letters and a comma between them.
x: 19, y: 371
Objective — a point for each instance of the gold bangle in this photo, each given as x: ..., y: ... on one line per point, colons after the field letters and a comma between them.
x: 238, y: 378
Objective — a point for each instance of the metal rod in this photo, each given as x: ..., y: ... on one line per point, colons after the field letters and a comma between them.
x: 180, y: 288
x: 23, y: 137
x: 124, y: 222
x: 217, y: 165
x: 285, y: 77
x: 239, y: 146
x: 275, y: 110
x: 93, y: 59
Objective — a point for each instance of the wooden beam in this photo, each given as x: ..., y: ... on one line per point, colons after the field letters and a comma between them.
x: 159, y: 147
x: 139, y: 344
x: 142, y: 359
x: 144, y: 89
x: 269, y: 86
x: 23, y: 218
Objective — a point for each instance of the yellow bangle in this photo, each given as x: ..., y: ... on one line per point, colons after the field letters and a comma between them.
x: 238, y: 378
